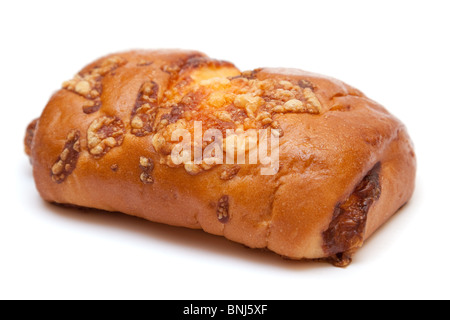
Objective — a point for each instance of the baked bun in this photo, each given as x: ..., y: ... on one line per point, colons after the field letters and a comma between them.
x: 105, y: 141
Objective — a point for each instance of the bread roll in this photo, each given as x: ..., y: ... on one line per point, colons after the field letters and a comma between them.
x: 104, y: 141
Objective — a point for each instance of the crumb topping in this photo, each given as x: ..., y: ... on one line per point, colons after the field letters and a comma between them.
x: 146, y: 165
x: 221, y: 100
x: 89, y: 84
x: 200, y: 89
x: 68, y: 157
x: 145, y: 109
x: 103, y: 134
x: 223, y: 209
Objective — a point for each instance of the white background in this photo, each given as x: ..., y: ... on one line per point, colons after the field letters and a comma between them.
x: 397, y: 52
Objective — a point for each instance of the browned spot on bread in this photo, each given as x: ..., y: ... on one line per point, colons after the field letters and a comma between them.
x: 306, y: 84
x: 251, y: 74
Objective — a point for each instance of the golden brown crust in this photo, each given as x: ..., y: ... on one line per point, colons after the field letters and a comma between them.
x: 102, y: 142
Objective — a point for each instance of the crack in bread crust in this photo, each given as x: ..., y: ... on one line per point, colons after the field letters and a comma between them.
x: 346, y: 231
